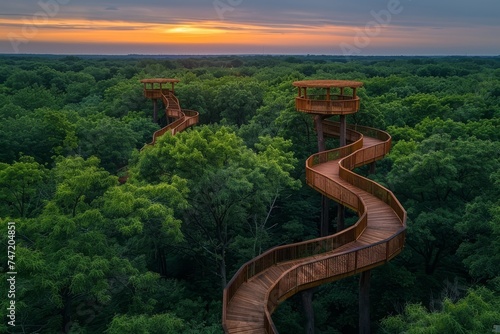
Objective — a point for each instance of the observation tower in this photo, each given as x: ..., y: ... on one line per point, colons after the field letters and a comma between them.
x: 154, y: 89
x: 180, y: 118
x: 323, y: 99
x: 264, y: 282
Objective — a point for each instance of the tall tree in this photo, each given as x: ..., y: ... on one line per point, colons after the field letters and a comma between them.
x: 23, y: 187
x: 436, y: 178
x: 233, y: 190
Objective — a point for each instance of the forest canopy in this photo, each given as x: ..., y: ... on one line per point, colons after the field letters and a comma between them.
x: 153, y: 254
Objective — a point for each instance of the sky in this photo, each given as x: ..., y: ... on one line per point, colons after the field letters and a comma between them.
x: 199, y: 27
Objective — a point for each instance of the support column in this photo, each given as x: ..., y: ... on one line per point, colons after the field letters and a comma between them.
x: 155, y: 110
x: 364, y: 302
x: 307, y: 296
x: 318, y: 120
x: 343, y: 131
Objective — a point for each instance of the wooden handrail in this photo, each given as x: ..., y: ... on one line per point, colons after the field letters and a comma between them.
x: 354, y: 261
x: 372, y: 255
x: 302, y: 249
x: 185, y: 117
x: 340, y: 106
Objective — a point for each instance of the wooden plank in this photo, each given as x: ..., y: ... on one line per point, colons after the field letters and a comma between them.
x: 249, y: 302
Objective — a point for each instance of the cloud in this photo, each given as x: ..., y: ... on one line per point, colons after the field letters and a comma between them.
x: 427, y: 21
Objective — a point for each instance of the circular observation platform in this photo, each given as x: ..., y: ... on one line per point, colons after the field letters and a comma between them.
x: 327, y: 97
x: 155, y: 88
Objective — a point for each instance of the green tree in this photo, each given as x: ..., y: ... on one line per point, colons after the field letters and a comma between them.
x: 148, y: 212
x: 232, y: 189
x: 83, y: 258
x: 237, y: 102
x: 22, y: 188
x: 436, y: 178
x: 476, y: 313
x: 480, y: 250
x: 109, y: 139
x: 143, y: 324
x: 123, y: 97
x: 66, y: 251
x: 41, y: 134
x: 31, y: 98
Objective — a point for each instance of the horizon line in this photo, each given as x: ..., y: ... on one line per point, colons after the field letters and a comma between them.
x: 250, y: 54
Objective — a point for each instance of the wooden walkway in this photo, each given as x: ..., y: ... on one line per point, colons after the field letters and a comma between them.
x: 184, y: 118
x: 262, y: 283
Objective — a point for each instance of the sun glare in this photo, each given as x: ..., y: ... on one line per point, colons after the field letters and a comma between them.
x: 193, y: 30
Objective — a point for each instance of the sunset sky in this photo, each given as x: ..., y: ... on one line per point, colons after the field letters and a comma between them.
x: 358, y: 27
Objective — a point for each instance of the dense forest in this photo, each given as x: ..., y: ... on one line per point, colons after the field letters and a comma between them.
x: 153, y: 254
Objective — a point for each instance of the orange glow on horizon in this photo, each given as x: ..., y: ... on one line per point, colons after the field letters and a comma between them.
x: 109, y: 32
x: 213, y: 36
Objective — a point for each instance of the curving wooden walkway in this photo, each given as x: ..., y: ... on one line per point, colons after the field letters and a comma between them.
x: 262, y: 283
x: 184, y: 118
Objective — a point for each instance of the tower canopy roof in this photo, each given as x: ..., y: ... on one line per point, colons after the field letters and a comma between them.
x: 328, y: 83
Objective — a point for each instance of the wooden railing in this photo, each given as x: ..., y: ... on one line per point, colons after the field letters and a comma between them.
x: 341, y: 106
x: 307, y: 248
x: 332, y: 268
x: 347, y: 263
x: 185, y: 118
x: 156, y: 93
x: 339, y: 265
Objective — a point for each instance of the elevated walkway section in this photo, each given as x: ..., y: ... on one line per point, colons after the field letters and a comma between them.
x: 182, y: 118
x: 261, y: 284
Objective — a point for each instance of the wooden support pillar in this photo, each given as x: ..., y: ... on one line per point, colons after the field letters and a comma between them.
x: 318, y: 119
x: 155, y: 110
x: 364, y: 302
x: 343, y: 131
x: 307, y: 297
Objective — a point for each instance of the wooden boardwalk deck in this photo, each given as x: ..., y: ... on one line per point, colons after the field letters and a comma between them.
x: 378, y: 236
x: 184, y: 118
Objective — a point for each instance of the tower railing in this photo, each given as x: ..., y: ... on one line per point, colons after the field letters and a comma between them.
x: 343, y: 105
